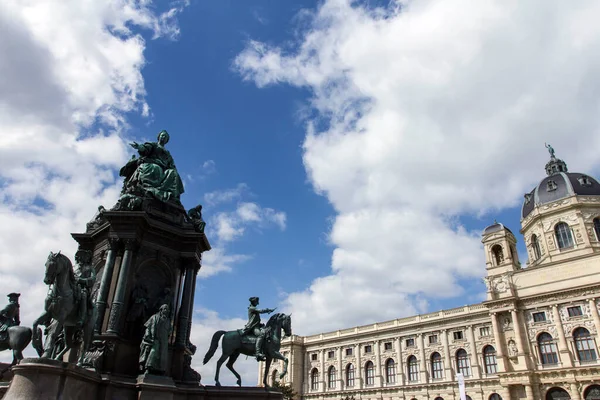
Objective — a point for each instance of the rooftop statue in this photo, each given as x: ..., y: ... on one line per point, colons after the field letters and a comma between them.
x: 153, y: 174
x: 247, y: 341
x: 12, y: 336
x: 550, y: 150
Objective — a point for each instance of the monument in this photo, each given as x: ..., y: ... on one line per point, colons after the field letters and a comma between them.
x: 122, y: 316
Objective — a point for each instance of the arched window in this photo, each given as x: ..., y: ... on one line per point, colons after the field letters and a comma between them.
x: 592, y: 393
x: 586, y: 350
x: 564, y: 239
x: 535, y: 245
x: 439, y: 398
x: 547, y: 349
x: 437, y: 369
x: 274, y: 376
x: 597, y: 228
x: 331, y: 377
x: 350, y: 375
x: 413, y: 369
x: 557, y: 393
x: 498, y: 254
x: 314, y: 379
x: 495, y: 396
x: 369, y: 373
x: 390, y: 371
x: 489, y: 360
x: 462, y: 362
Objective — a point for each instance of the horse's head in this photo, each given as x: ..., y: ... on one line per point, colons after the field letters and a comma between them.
x: 281, y: 321
x: 287, y: 324
x: 54, y: 266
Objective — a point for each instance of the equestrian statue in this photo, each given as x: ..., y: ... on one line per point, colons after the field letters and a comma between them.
x: 255, y: 339
x: 69, y: 305
x: 13, y: 336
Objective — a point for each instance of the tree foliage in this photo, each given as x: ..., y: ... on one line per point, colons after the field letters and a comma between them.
x: 288, y: 392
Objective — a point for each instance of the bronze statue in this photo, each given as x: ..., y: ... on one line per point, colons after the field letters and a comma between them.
x: 85, y: 276
x: 63, y: 305
x: 195, y: 217
x: 13, y: 336
x: 155, y: 344
x: 236, y: 343
x: 550, y: 150
x: 152, y: 174
x: 255, y: 327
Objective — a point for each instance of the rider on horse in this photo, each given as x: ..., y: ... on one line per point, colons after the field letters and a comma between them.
x: 9, y: 316
x: 85, y: 278
x: 254, y: 326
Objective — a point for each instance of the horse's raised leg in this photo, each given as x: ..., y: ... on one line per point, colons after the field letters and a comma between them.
x: 267, y: 366
x: 68, y: 341
x: 219, y: 363
x: 232, y: 359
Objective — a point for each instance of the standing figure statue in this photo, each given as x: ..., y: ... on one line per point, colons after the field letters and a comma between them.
x: 85, y: 276
x: 255, y: 327
x: 13, y: 336
x: 152, y: 174
x: 550, y: 149
x: 155, y: 344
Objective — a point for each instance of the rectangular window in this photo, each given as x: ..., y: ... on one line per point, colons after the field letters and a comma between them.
x: 433, y: 339
x: 574, y: 311
x: 458, y: 335
x: 485, y: 331
x: 368, y: 348
x: 387, y: 346
x: 349, y: 351
x: 539, y: 316
x: 330, y: 354
x: 410, y: 342
x: 313, y: 357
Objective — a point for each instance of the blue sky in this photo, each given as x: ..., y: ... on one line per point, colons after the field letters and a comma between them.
x: 347, y: 154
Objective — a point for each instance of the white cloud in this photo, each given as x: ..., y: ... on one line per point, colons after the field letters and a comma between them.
x: 232, y: 224
x: 227, y: 195
x: 427, y: 110
x: 58, y: 76
x: 217, y: 260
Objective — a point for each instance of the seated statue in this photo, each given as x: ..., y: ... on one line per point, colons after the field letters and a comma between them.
x: 195, y: 217
x: 152, y: 174
x: 255, y: 327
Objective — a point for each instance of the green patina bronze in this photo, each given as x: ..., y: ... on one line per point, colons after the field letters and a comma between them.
x: 155, y: 344
x: 153, y: 174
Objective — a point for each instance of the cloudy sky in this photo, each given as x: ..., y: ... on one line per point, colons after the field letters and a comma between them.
x: 347, y: 153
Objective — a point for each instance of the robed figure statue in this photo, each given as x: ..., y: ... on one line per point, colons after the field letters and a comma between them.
x: 153, y: 173
x: 155, y: 344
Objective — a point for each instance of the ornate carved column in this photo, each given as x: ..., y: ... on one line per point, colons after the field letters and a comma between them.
x: 116, y: 309
x: 400, y: 365
x: 422, y: 362
x: 186, y: 308
x: 575, y: 395
x: 529, y: 392
x: 595, y: 316
x: 358, y: 369
x: 378, y: 372
x: 474, y: 357
x: 523, y: 354
x: 499, y: 342
x: 448, y: 374
x: 107, y: 273
x: 339, y: 368
x: 322, y: 384
x: 563, y: 349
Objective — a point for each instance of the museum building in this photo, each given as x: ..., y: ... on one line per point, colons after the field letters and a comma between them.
x: 535, y: 336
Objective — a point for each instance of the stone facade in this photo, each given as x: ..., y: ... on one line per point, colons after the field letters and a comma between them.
x: 535, y: 337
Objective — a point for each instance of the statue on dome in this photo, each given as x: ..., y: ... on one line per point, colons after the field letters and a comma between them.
x: 550, y: 149
x: 153, y: 174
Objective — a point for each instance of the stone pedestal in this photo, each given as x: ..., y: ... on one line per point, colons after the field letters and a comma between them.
x: 42, y: 379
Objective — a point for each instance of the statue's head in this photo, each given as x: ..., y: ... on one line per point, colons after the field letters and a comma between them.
x: 163, y: 137
x: 253, y: 301
x: 164, y: 311
x: 13, y: 297
x: 83, y: 256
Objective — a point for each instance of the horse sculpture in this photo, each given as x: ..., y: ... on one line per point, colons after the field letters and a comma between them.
x: 17, y: 339
x: 62, y: 305
x: 234, y: 345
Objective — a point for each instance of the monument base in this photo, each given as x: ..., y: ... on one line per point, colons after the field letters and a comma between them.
x: 43, y: 379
